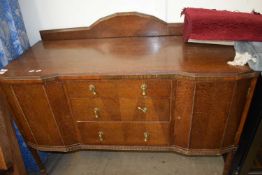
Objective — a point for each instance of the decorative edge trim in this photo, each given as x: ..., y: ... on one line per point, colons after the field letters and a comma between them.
x: 184, y: 151
x: 91, y: 32
x: 184, y: 75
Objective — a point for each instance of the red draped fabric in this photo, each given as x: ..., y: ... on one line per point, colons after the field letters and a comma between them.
x: 206, y: 24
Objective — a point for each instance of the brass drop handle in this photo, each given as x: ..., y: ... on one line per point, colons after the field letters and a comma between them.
x: 101, y: 136
x: 92, y: 89
x: 143, y: 88
x: 144, y: 109
x: 96, y: 112
x: 146, y: 136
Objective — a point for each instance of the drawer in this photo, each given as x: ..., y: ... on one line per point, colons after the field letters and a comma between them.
x: 117, y: 109
x: 118, y: 88
x: 124, y: 133
x: 95, y: 109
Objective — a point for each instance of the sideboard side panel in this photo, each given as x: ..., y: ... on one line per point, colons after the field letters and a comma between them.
x: 60, y: 107
x: 236, y: 110
x: 35, y: 105
x: 5, y: 147
x: 211, y: 108
x: 18, y: 114
x: 10, y: 155
x: 183, y: 102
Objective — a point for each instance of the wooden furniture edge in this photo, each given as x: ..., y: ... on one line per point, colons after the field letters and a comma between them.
x: 172, y: 148
x: 184, y: 75
x: 94, y: 32
x: 230, y: 155
x: 15, y: 164
x: 161, y: 29
x: 246, y: 109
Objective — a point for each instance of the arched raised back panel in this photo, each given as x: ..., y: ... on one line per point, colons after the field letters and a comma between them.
x: 128, y: 82
x: 130, y: 24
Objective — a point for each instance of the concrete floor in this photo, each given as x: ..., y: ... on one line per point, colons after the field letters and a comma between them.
x: 131, y: 163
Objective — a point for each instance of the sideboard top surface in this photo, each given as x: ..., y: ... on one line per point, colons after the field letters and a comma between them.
x: 122, y: 44
x: 123, y: 56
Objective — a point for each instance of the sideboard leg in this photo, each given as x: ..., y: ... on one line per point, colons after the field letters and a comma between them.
x: 228, y: 162
x: 38, y: 161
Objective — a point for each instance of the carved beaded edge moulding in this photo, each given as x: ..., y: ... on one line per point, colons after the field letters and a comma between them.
x: 128, y: 82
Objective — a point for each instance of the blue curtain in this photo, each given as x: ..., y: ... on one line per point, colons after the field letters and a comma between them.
x: 13, y: 37
x: 13, y: 42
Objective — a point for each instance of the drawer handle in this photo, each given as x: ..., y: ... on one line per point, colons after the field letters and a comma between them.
x: 96, y: 112
x: 101, y: 136
x: 143, y: 88
x: 146, y: 136
x: 92, y: 88
x: 144, y: 109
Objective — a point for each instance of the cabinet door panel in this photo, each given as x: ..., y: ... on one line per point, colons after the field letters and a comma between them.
x: 17, y: 112
x: 237, y: 106
x: 10, y: 155
x: 211, y: 109
x: 35, y: 106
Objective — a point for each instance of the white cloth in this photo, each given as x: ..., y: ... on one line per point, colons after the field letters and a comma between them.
x: 241, y: 59
x: 248, y: 52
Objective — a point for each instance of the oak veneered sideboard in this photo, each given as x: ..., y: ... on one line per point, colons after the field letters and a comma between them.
x: 128, y: 82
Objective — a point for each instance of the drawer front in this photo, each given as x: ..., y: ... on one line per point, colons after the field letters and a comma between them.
x: 122, y: 133
x: 95, y: 109
x: 101, y: 133
x: 125, y: 109
x: 118, y: 88
x: 147, y: 134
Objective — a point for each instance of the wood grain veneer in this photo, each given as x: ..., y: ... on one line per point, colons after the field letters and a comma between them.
x: 124, y: 133
x: 11, y: 161
x: 119, y: 88
x: 197, y: 104
x: 121, y: 109
x: 130, y: 24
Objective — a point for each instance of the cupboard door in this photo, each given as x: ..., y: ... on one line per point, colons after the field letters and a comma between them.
x: 37, y: 111
x: 10, y: 155
x: 5, y: 149
x: 236, y: 110
x: 212, y: 102
x: 207, y: 114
